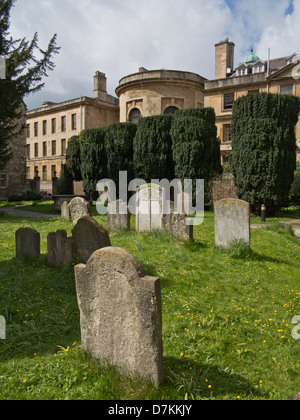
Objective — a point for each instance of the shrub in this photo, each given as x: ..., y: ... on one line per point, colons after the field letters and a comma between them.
x: 73, y: 160
x: 263, y: 158
x: 93, y: 159
x: 153, y: 148
x: 119, y: 149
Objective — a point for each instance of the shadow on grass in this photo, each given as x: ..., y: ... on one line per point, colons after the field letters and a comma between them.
x: 199, y: 380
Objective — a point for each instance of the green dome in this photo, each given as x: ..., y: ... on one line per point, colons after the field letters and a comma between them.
x: 252, y: 58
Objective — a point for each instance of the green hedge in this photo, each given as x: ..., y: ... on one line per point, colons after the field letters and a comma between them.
x: 263, y: 158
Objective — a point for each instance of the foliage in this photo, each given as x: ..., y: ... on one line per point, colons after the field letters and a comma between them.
x: 153, y: 148
x: 24, y: 72
x: 196, y: 148
x: 93, y: 159
x: 64, y: 182
x: 295, y: 189
x: 73, y: 160
x: 263, y: 158
x: 119, y: 149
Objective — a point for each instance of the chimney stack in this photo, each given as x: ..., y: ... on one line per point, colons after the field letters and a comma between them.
x: 224, y: 59
x: 100, y: 86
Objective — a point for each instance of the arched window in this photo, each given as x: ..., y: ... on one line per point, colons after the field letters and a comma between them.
x: 135, y: 115
x: 170, y: 110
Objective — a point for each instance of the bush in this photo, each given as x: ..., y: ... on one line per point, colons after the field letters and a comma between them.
x: 73, y: 160
x: 64, y: 182
x: 263, y: 158
x: 119, y: 149
x: 153, y: 148
x: 93, y: 159
x: 295, y: 189
x: 196, y: 149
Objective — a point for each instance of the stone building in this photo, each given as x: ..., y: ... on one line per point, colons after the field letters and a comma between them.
x: 253, y: 75
x: 13, y: 176
x: 158, y: 92
x: 50, y: 127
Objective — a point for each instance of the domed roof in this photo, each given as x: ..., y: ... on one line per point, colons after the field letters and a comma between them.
x: 252, y: 58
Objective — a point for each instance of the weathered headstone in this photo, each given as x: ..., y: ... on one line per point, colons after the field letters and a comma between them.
x: 177, y: 223
x: 2, y: 328
x: 149, y: 207
x: 232, y: 221
x: 78, y: 208
x: 65, y: 212
x: 28, y: 243
x: 120, y: 313
x: 61, y: 249
x: 89, y: 236
x: 118, y: 215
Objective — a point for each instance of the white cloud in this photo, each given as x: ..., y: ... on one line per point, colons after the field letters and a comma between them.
x: 118, y: 36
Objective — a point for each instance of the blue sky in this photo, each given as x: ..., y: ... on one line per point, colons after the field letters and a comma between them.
x: 117, y: 36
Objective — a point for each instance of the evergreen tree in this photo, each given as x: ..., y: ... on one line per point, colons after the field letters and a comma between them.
x: 24, y: 73
x: 93, y: 159
x: 119, y: 149
x: 196, y: 148
x: 73, y: 160
x: 263, y: 158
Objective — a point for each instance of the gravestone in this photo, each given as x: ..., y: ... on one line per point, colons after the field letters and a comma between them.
x: 78, y: 208
x: 177, y: 223
x: 89, y: 236
x: 232, y: 221
x: 28, y: 243
x: 149, y: 207
x: 65, y: 212
x: 2, y: 328
x: 61, y: 249
x: 120, y: 313
x: 118, y: 215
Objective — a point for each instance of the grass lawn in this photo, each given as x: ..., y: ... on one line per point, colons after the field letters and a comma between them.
x: 227, y: 318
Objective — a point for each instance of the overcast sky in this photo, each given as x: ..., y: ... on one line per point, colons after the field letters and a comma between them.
x: 118, y: 36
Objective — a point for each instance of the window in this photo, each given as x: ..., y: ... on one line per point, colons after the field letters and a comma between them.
x: 170, y: 110
x: 228, y: 100
x: 74, y: 121
x: 135, y: 115
x: 36, y: 129
x: 3, y: 180
x: 44, y: 127
x: 53, y: 126
x: 36, y: 149
x: 226, y: 133
x: 44, y: 173
x: 63, y: 146
x: 286, y: 89
x: 36, y: 171
x: 44, y: 148
x: 28, y: 151
x: 63, y: 124
x: 53, y: 148
x: 28, y: 130
x: 53, y: 171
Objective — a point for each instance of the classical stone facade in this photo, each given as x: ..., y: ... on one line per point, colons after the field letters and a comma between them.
x: 158, y: 92
x: 13, y: 176
x: 50, y: 127
x: 254, y: 75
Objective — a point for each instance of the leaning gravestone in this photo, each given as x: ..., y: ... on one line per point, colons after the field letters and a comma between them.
x: 232, y: 221
x: 149, y: 207
x: 61, y: 249
x: 28, y: 243
x: 118, y: 215
x: 78, y: 208
x: 89, y: 236
x: 65, y: 212
x: 120, y: 313
x: 177, y: 224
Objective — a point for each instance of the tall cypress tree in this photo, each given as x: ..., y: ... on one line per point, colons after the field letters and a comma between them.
x: 24, y: 73
x: 263, y: 158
